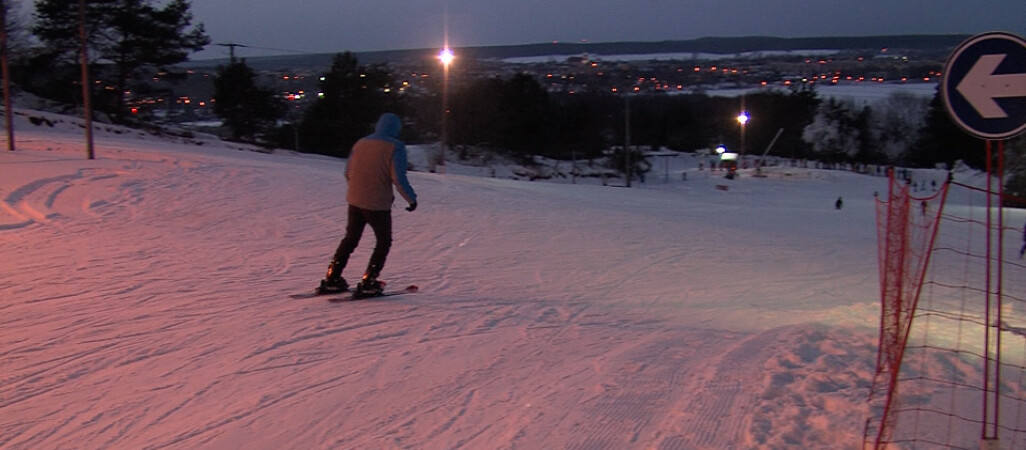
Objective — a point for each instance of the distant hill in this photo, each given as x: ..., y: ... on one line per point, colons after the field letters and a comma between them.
x: 719, y: 45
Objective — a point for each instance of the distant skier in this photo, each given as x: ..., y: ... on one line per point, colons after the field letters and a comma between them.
x: 1023, y: 249
x: 377, y: 162
x: 839, y: 203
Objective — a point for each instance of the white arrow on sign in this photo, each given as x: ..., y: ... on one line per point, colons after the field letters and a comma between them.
x: 980, y: 86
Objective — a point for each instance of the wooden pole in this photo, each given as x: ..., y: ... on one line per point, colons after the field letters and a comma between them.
x: 627, y: 138
x: 86, y: 85
x: 5, y: 72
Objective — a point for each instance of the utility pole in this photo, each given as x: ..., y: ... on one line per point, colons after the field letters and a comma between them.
x: 231, y: 50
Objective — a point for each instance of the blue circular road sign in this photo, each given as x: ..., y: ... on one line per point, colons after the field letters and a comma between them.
x: 984, y: 87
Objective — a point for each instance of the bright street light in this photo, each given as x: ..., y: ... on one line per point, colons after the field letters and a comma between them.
x: 446, y: 56
x: 743, y: 118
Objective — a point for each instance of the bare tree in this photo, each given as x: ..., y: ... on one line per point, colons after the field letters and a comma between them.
x: 897, y: 123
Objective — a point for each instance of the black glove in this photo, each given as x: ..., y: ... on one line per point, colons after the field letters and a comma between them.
x: 412, y: 207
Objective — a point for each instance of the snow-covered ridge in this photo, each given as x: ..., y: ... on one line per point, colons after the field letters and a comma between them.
x: 678, y: 56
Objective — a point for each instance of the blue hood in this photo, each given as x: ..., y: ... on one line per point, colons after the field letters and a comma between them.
x: 389, y: 125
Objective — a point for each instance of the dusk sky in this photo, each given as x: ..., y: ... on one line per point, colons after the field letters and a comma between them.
x: 328, y: 26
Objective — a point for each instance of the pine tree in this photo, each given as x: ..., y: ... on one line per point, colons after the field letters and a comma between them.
x: 129, y: 34
x: 523, y: 116
x: 17, y: 36
x: 248, y: 110
x: 352, y: 98
x: 941, y: 141
x: 1015, y: 171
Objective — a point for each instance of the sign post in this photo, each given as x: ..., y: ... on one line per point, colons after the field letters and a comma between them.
x: 984, y: 91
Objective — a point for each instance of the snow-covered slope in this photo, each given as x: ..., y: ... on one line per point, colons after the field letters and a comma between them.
x: 144, y: 304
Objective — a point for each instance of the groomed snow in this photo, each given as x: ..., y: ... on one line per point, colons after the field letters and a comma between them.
x: 144, y: 304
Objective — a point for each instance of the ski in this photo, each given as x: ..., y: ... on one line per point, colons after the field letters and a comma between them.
x: 317, y: 294
x: 357, y: 296
x: 349, y: 295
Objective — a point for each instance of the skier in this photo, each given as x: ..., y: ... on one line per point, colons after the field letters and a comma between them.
x: 839, y: 203
x: 376, y: 163
x: 1022, y: 250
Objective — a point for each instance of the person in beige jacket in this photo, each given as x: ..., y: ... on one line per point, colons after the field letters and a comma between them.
x: 377, y: 163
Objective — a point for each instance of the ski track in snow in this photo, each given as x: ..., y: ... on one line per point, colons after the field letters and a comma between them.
x: 146, y: 306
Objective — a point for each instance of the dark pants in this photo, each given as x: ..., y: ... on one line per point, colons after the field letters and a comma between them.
x: 381, y: 223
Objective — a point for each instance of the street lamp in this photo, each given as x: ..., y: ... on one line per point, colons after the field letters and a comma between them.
x: 446, y: 57
x: 743, y: 119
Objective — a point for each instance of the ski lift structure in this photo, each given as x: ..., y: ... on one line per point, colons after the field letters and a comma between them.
x: 665, y: 155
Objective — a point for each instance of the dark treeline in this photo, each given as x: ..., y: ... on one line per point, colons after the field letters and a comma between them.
x: 517, y: 116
